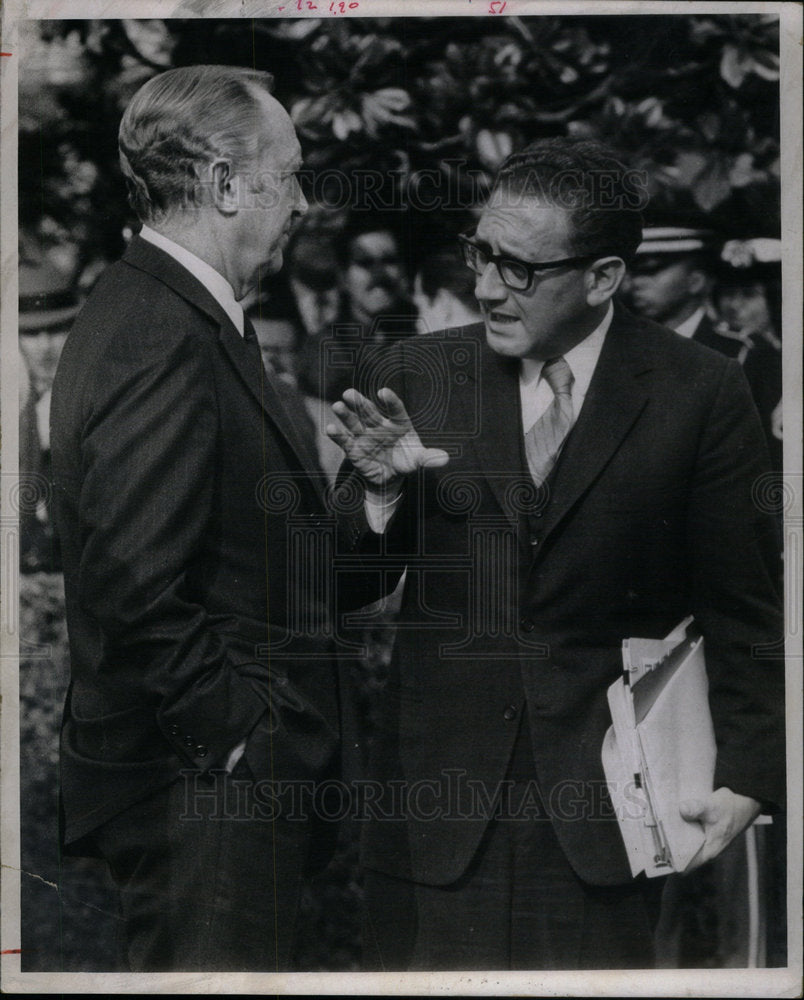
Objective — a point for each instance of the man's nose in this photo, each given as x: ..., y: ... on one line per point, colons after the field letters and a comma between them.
x: 301, y: 202
x: 489, y: 286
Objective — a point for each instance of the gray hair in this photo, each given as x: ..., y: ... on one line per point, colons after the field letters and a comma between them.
x: 179, y: 122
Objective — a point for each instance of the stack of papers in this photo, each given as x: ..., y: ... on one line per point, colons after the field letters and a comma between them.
x: 660, y: 748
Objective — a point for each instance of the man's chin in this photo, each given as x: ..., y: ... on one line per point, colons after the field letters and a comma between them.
x: 500, y: 343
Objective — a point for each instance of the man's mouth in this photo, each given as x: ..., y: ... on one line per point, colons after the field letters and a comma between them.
x: 500, y: 318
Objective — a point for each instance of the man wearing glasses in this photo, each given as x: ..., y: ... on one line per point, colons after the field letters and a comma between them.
x: 555, y: 479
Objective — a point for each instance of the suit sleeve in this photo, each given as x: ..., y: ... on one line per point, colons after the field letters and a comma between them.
x: 149, y: 464
x: 733, y: 552
x: 370, y: 577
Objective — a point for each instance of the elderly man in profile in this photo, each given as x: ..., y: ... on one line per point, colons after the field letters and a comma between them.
x: 201, y: 663
x: 554, y: 480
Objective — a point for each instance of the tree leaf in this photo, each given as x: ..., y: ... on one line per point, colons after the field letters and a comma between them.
x: 712, y: 185
x: 733, y: 66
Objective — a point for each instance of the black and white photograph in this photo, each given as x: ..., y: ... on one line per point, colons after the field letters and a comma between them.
x: 401, y: 497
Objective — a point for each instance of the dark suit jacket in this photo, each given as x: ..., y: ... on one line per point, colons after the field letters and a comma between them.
x: 516, y: 601
x: 193, y: 518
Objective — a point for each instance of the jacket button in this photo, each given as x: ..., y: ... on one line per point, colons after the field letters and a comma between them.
x: 189, y: 741
x: 201, y: 751
x: 526, y: 625
x: 510, y: 713
x: 173, y: 730
x: 534, y: 540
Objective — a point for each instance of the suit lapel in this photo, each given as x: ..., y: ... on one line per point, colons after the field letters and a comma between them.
x: 615, y: 399
x: 244, y: 357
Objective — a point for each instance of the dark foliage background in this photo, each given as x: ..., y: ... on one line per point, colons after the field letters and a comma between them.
x: 430, y: 106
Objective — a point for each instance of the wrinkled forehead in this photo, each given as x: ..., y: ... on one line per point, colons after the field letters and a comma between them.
x: 512, y: 220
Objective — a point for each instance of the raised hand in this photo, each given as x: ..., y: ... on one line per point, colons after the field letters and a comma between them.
x: 383, y: 448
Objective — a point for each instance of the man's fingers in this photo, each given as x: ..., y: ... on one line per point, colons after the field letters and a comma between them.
x: 694, y: 809
x: 393, y: 405
x: 338, y: 435
x: 434, y: 458
x: 350, y: 420
x: 723, y: 815
x: 364, y: 407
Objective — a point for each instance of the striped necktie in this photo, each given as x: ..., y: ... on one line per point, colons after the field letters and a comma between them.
x: 544, y: 439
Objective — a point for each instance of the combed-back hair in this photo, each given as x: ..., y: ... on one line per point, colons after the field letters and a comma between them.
x: 179, y: 122
x: 589, y: 179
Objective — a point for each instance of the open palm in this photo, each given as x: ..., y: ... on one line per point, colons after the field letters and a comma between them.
x: 382, y: 447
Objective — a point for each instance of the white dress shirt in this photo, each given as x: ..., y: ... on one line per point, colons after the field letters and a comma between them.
x: 214, y: 282
x: 535, y: 392
x: 690, y: 324
x: 535, y: 395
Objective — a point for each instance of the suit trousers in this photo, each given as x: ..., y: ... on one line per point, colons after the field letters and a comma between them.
x: 519, y: 905
x: 209, y: 878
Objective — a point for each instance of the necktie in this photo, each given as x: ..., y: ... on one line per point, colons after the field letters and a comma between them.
x: 249, y: 333
x: 544, y: 439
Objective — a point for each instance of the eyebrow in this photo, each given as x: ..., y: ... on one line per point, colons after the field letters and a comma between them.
x: 486, y: 246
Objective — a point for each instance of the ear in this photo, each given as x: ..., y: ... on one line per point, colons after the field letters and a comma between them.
x: 699, y: 282
x: 224, y: 186
x: 603, y: 279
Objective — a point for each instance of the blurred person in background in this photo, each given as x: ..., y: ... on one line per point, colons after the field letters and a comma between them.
x: 444, y: 292
x: 671, y: 282
x: 727, y: 297
x: 748, y: 297
x: 280, y: 336
x: 314, y: 282
x: 48, y: 304
x: 291, y: 312
x: 376, y: 307
x: 375, y: 279
x: 278, y: 340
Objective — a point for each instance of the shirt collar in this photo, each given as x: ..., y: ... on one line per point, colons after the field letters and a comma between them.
x: 690, y: 324
x: 582, y: 358
x: 214, y: 282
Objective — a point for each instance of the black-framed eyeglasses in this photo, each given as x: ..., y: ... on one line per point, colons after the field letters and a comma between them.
x: 514, y: 273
